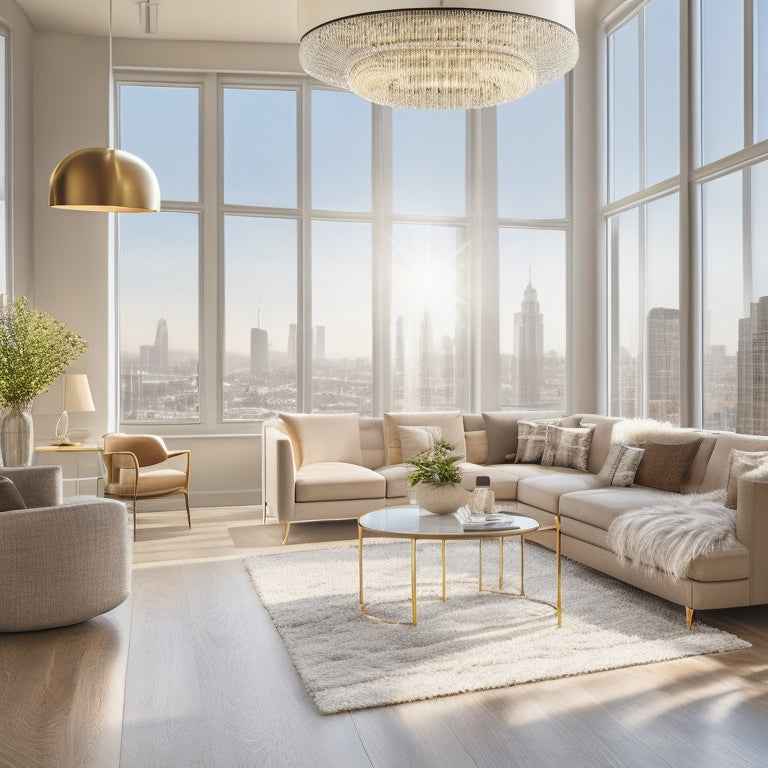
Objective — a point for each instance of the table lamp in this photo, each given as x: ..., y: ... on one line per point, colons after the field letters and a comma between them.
x: 77, y: 397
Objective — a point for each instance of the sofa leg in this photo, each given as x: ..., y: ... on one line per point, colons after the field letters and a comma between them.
x: 688, y: 616
x: 287, y: 532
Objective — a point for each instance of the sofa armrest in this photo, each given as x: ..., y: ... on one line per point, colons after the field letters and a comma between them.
x: 279, y: 481
x: 63, y: 564
x: 752, y: 532
x: 39, y: 486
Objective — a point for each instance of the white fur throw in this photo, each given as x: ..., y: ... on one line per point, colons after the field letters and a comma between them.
x: 671, y: 535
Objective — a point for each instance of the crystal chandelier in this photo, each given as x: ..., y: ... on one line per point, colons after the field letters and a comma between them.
x: 455, y: 56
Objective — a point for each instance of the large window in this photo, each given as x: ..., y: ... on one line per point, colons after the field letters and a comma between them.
x: 722, y: 301
x: 159, y: 260
x: 319, y: 253
x: 4, y: 191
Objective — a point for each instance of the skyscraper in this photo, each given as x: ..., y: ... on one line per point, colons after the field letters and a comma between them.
x: 752, y: 371
x: 259, y: 350
x: 318, y: 346
x: 155, y: 356
x: 529, y: 347
x: 664, y: 364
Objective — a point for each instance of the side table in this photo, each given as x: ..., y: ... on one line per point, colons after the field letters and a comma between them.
x: 66, y: 455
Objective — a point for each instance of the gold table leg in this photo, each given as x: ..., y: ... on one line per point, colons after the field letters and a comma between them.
x: 360, y: 560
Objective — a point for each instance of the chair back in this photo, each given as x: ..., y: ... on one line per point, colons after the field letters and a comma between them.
x: 148, y: 449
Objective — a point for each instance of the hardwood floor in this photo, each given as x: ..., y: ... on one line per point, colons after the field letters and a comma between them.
x: 207, y: 682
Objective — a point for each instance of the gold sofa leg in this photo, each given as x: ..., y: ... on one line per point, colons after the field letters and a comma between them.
x: 287, y: 532
x: 688, y: 616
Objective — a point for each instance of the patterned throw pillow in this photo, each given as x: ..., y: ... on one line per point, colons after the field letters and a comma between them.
x: 740, y: 462
x: 531, y: 439
x: 567, y: 447
x: 620, y: 465
x: 626, y: 469
x: 416, y: 440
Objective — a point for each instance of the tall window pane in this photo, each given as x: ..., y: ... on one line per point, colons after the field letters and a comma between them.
x: 531, y: 145
x: 662, y: 310
x: 722, y: 255
x: 260, y: 147
x: 662, y: 90
x: 429, y: 318
x: 722, y: 78
x: 760, y: 53
x: 342, y: 373
x: 341, y: 152
x: 160, y: 125
x: 532, y: 318
x: 260, y: 325
x: 626, y: 339
x: 3, y: 170
x: 428, y: 162
x: 624, y: 111
x: 159, y: 317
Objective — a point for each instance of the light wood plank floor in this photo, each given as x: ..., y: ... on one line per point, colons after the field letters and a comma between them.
x: 207, y: 682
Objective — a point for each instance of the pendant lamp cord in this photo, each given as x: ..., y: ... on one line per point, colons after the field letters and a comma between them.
x: 110, y: 85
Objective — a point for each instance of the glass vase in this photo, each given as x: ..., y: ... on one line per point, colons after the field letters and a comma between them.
x: 17, y: 443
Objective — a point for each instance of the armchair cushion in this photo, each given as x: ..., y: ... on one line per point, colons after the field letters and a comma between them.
x: 154, y: 482
x: 10, y: 498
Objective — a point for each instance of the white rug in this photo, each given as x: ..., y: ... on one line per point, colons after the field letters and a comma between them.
x: 471, y: 642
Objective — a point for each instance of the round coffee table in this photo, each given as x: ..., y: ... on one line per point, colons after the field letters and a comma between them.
x: 415, y: 523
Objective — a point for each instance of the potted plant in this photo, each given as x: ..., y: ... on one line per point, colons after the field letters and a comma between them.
x: 35, y: 349
x: 436, y: 478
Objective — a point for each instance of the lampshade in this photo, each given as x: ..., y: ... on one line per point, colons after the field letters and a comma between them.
x: 464, y: 54
x: 102, y: 179
x: 77, y: 393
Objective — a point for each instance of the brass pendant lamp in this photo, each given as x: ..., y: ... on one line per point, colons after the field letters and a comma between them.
x: 102, y: 178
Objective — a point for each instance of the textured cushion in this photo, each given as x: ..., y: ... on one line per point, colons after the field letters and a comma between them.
x: 665, y: 465
x: 621, y: 465
x: 320, y: 437
x: 151, y: 482
x: 739, y: 462
x: 451, y: 425
x: 531, y: 440
x: 10, y: 498
x: 477, y: 446
x: 416, y: 440
x: 567, y: 447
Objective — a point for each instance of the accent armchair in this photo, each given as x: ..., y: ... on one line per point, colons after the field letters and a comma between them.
x: 141, y: 467
x: 62, y: 561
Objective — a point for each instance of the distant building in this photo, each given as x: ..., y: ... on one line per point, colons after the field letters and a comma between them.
x: 259, y: 350
x: 155, y: 356
x: 752, y: 371
x: 663, y: 367
x: 292, y: 341
x: 529, y: 347
x: 318, y: 342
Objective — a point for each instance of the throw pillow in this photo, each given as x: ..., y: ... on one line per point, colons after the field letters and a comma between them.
x: 10, y: 498
x: 739, y: 462
x: 567, y: 447
x: 477, y: 446
x: 501, y: 429
x: 416, y: 440
x: 605, y: 475
x: 319, y: 437
x: 665, y: 465
x: 451, y: 425
x: 626, y: 469
x: 531, y: 439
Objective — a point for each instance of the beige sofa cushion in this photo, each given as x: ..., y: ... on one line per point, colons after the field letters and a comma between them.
x: 324, y: 437
x: 501, y: 429
x: 416, y: 440
x: 544, y: 492
x: 600, y: 507
x: 504, y: 479
x: 477, y: 446
x: 338, y: 481
x: 396, y: 478
x: 451, y: 424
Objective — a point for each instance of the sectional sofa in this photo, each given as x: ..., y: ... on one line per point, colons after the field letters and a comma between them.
x: 330, y: 466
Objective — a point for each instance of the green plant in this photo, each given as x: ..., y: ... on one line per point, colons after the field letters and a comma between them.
x: 35, y: 349
x: 436, y: 465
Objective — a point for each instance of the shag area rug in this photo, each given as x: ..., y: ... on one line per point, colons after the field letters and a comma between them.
x: 473, y: 641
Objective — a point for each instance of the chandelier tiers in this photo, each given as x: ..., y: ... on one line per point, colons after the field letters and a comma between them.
x: 463, y: 54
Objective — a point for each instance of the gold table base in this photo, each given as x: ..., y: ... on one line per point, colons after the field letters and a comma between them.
x: 558, y: 606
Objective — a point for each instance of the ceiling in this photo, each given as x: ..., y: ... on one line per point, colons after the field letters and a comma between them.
x: 268, y: 21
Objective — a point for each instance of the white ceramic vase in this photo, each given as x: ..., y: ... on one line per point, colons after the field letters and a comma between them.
x: 440, y: 499
x: 17, y: 444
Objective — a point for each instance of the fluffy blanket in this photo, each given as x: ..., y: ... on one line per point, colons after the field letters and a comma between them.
x: 671, y: 535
